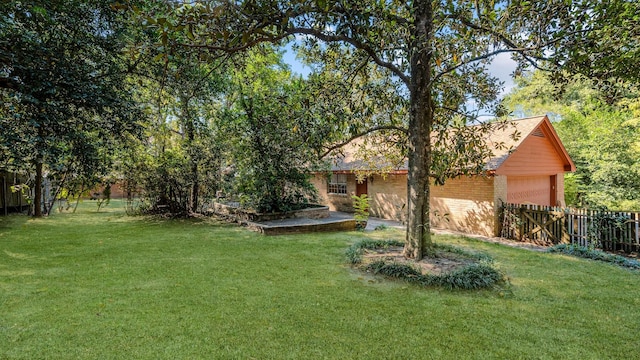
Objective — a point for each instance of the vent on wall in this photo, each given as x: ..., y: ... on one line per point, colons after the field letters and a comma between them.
x: 538, y: 132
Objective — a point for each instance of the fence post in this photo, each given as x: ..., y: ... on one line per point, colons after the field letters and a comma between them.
x: 563, y: 226
x: 520, y: 223
x: 637, y: 221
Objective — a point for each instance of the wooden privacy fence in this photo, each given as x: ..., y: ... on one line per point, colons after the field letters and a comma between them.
x: 547, y: 225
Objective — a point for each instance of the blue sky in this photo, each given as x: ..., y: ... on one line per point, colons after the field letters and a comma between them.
x: 296, y: 66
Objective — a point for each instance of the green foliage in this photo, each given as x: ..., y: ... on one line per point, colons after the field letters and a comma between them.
x: 361, y: 207
x: 602, y: 223
x: 272, y: 136
x: 470, y: 277
x: 395, y: 270
x: 105, y: 196
x: 600, y: 134
x: 603, y: 43
x: 354, y: 252
x: 480, y: 275
x: 66, y: 102
x: 177, y: 168
x: 593, y: 254
x: 381, y: 227
x: 24, y: 191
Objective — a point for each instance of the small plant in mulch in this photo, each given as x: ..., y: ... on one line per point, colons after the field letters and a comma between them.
x: 593, y: 254
x: 450, y: 268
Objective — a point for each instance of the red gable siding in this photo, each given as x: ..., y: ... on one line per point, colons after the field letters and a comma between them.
x: 537, y: 155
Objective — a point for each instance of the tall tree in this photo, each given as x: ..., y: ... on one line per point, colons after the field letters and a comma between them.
x: 190, y: 87
x: 61, y: 68
x: 439, y: 50
x: 273, y: 133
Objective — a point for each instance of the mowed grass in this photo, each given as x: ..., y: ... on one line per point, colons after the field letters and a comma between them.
x: 107, y: 286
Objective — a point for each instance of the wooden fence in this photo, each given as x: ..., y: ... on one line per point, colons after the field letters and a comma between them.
x: 546, y: 225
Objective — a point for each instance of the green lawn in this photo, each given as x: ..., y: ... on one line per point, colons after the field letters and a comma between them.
x: 107, y: 286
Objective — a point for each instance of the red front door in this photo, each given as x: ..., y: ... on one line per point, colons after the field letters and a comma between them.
x: 554, y: 193
x: 361, y: 187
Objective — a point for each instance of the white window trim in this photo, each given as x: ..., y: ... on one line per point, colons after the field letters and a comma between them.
x: 335, y: 186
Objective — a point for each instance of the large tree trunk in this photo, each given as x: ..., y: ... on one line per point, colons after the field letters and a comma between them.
x: 418, y: 241
x: 37, y: 196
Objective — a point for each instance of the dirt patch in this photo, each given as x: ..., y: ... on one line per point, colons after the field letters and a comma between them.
x: 443, y: 262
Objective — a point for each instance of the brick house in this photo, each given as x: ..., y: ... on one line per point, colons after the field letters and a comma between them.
x: 530, y: 169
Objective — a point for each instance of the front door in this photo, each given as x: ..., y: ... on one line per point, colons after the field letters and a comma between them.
x: 361, y: 187
x: 553, y: 196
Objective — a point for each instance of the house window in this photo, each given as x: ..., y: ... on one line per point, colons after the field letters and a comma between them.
x: 337, y: 184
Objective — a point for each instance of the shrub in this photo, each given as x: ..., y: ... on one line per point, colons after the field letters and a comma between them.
x: 470, y: 277
x: 588, y: 253
x: 481, y: 275
x: 361, y: 207
x: 394, y: 270
x: 355, y: 251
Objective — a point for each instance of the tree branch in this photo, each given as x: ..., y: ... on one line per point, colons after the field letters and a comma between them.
x: 361, y: 134
x: 355, y: 43
x: 483, y: 57
x: 512, y: 47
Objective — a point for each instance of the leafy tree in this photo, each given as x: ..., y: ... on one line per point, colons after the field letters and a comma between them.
x: 438, y: 51
x: 190, y: 88
x: 175, y: 167
x: 273, y: 134
x: 602, y: 43
x: 62, y: 74
x: 602, y: 138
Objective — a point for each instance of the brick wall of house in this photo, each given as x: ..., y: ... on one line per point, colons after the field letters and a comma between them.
x: 465, y: 204
x: 500, y: 192
x: 469, y: 202
x: 388, y: 197
x: 560, y: 190
x: 335, y: 202
x: 117, y: 192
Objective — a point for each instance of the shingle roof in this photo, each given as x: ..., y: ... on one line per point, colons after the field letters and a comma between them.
x: 346, y: 159
x: 524, y: 127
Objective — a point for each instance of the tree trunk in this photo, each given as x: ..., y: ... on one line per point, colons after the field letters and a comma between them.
x: 195, y: 187
x: 37, y: 197
x: 190, y: 133
x: 5, y: 205
x: 418, y: 241
x: 75, y: 207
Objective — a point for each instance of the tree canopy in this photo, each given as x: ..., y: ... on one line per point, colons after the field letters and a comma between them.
x: 63, y: 81
x: 603, y: 138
